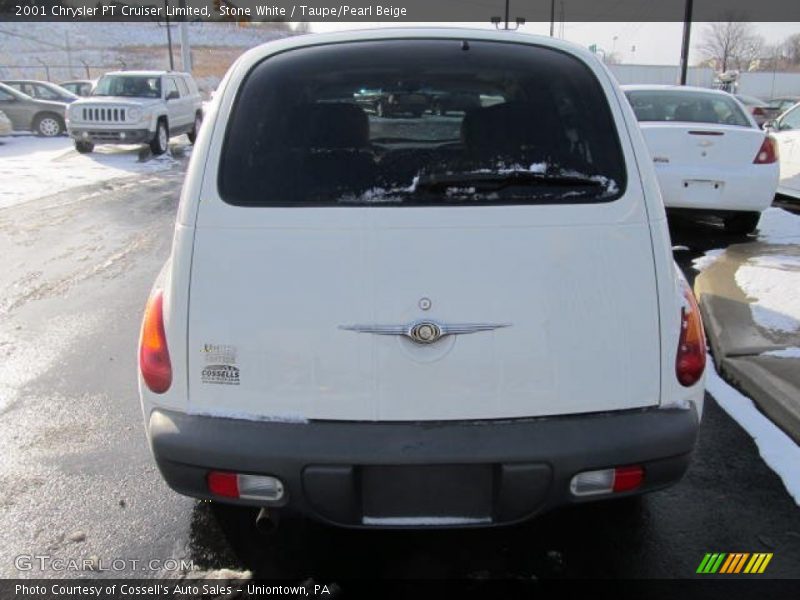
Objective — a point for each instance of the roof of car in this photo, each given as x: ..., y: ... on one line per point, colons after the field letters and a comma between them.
x: 409, y: 33
x: 145, y: 73
x: 28, y: 81
x: 671, y: 88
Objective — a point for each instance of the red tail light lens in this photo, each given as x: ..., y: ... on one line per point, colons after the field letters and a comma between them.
x: 223, y: 484
x: 628, y: 478
x: 154, y: 362
x: 768, y: 153
x: 691, y: 360
x: 758, y: 111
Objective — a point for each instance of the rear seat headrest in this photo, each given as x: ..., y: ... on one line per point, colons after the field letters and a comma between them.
x: 329, y: 126
x: 509, y: 126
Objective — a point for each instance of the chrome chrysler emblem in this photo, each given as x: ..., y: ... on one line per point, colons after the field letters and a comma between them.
x: 425, y: 332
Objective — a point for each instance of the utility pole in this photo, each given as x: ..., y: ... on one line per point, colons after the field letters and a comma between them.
x: 687, y: 32
x: 507, y: 1
x: 186, y: 50
x: 552, y: 17
x: 169, y: 37
x: 69, y: 52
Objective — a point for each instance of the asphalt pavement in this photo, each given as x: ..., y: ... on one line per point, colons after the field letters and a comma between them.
x: 77, y: 481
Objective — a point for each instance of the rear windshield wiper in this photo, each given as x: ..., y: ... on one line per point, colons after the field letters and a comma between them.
x: 489, y: 180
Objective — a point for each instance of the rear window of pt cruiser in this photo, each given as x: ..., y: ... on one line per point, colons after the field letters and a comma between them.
x: 420, y: 122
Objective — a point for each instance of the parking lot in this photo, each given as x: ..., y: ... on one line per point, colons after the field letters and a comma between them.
x: 77, y: 480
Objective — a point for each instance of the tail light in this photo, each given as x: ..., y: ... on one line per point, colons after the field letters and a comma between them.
x: 154, y: 363
x: 758, y: 112
x: 246, y: 487
x: 768, y: 153
x: 607, y: 481
x: 691, y: 360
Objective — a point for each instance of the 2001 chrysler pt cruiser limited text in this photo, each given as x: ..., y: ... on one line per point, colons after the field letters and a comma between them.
x: 422, y: 320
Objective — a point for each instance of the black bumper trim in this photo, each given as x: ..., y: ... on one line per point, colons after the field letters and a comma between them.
x: 111, y: 136
x: 319, y: 462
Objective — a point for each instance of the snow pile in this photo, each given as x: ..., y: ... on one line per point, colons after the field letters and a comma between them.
x: 777, y: 449
x: 773, y: 283
x: 778, y: 226
x: 33, y: 167
x: 708, y: 259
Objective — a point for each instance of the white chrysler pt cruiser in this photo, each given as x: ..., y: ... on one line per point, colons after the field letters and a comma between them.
x: 419, y: 319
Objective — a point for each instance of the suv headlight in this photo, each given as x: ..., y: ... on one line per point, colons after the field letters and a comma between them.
x: 134, y: 114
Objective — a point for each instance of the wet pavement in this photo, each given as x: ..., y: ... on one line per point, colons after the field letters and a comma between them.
x: 77, y: 480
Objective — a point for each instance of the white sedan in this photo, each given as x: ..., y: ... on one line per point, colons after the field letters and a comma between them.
x: 786, y: 130
x: 710, y: 156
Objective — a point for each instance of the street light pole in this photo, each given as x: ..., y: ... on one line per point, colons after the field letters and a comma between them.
x: 687, y: 32
x: 552, y: 17
x: 507, y: 2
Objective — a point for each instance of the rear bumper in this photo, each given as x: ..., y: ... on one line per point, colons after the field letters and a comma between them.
x: 750, y: 188
x: 342, y: 472
x: 110, y: 136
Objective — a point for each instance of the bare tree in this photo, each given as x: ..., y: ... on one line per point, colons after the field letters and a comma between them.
x: 791, y: 49
x: 731, y: 44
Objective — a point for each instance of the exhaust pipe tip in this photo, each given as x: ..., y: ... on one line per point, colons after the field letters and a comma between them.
x: 266, y: 521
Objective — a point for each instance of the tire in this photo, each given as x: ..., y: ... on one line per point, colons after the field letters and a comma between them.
x: 84, y: 147
x: 742, y: 223
x: 48, y: 125
x: 160, y: 142
x: 192, y: 135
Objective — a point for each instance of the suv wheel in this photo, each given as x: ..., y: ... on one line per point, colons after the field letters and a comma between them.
x: 84, y: 147
x: 160, y: 142
x: 48, y: 125
x: 745, y: 222
x: 192, y: 135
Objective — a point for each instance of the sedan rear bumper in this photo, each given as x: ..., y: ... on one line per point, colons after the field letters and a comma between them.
x: 751, y: 188
x: 425, y: 473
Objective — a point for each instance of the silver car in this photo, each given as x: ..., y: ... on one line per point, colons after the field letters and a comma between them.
x: 43, y: 117
x: 41, y: 90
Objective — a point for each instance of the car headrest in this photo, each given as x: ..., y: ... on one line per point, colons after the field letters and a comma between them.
x: 686, y: 112
x: 329, y: 126
x: 509, y: 128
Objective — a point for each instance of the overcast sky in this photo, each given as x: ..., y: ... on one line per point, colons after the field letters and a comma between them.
x: 641, y: 43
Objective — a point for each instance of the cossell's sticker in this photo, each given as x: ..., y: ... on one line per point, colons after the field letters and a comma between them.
x: 224, y: 374
x: 219, y: 354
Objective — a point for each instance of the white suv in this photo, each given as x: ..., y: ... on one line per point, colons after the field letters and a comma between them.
x: 129, y: 107
x: 429, y: 321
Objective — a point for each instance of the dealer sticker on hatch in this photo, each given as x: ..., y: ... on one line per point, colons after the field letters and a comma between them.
x: 220, y: 361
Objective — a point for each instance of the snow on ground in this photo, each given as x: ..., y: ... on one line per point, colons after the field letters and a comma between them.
x: 776, y: 448
x: 790, y: 352
x: 773, y: 282
x: 32, y: 167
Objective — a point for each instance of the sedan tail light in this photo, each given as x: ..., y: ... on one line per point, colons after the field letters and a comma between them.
x: 691, y: 359
x: 758, y: 111
x: 768, y: 153
x: 154, y: 362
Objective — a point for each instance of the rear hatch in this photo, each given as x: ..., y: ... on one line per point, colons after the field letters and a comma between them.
x: 317, y: 246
